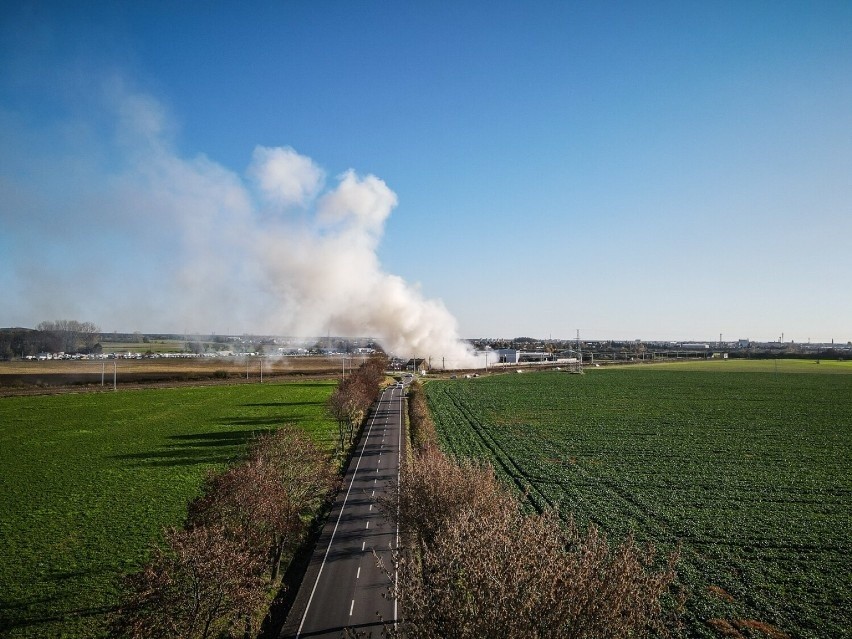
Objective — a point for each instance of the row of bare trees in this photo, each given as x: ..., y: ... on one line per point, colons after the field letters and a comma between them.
x: 71, y: 336
x: 68, y: 336
x: 351, y: 400
x: 212, y: 578
x: 474, y: 565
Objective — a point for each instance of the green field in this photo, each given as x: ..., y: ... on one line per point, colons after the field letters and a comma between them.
x: 87, y: 481
x: 750, y: 470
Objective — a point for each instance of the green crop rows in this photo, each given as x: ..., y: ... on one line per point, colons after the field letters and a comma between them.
x: 87, y: 481
x: 751, y: 471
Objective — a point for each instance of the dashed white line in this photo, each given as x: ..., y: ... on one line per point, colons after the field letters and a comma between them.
x: 358, y: 575
x: 351, y: 606
x: 334, y: 532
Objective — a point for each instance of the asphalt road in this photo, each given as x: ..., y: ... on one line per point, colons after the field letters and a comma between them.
x: 343, y: 587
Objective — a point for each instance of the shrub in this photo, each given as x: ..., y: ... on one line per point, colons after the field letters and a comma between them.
x: 474, y: 565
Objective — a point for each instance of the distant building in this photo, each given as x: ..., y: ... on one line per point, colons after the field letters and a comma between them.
x: 508, y: 355
x: 515, y: 356
x: 417, y: 365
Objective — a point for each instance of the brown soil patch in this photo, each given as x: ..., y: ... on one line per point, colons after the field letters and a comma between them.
x: 721, y: 593
x: 724, y: 628
x: 751, y: 627
x: 24, y: 378
x: 762, y: 628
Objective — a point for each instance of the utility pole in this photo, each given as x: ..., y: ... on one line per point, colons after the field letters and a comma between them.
x: 580, y: 354
x: 115, y: 374
x: 261, y: 369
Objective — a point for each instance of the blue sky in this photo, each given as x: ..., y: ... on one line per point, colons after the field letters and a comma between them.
x: 657, y: 170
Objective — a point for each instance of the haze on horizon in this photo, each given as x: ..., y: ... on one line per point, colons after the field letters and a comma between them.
x: 423, y: 173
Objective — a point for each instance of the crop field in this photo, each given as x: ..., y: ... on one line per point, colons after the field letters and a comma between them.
x: 87, y: 481
x: 751, y: 471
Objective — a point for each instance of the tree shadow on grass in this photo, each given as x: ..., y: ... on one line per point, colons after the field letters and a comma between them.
x: 277, y: 404
x: 216, y: 447
x: 58, y: 607
x: 265, y: 423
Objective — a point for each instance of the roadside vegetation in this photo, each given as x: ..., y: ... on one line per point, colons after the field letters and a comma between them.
x: 745, y: 465
x: 351, y: 400
x: 216, y: 576
x: 474, y: 564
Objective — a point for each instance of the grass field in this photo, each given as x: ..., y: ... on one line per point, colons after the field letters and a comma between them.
x: 87, y: 481
x: 750, y: 469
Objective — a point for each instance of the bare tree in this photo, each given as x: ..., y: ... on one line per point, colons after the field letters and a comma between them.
x: 213, y: 576
x: 300, y: 476
x: 72, y: 335
x: 203, y: 584
x: 351, y: 400
x: 271, y: 497
x: 474, y: 565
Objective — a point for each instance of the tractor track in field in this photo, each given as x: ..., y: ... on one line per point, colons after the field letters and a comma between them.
x: 500, y: 456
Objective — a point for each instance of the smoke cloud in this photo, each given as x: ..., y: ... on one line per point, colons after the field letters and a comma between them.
x: 323, y: 271
x: 121, y: 230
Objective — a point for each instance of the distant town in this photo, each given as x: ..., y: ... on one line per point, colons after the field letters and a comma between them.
x: 74, y: 340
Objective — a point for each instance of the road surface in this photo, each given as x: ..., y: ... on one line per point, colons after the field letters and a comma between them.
x: 343, y: 587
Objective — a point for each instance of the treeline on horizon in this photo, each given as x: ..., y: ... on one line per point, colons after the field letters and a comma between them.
x: 74, y: 337
x: 86, y: 338
x: 59, y: 336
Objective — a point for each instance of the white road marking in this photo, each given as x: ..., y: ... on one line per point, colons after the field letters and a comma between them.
x: 398, y: 467
x: 334, y: 532
x: 368, y: 525
x: 351, y: 606
x: 358, y: 575
x: 363, y: 543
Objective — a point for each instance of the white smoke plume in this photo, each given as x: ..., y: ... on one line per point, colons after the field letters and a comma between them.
x: 323, y: 270
x: 165, y: 243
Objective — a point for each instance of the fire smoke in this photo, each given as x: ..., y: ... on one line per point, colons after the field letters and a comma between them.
x: 144, y: 238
